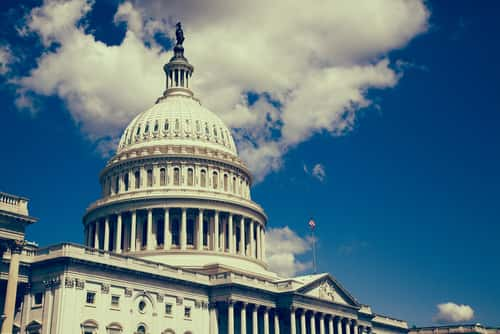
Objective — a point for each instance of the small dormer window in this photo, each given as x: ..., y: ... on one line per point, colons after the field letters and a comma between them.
x: 138, y: 130
x: 156, y: 127
x: 146, y: 129
x: 215, y: 131
x: 207, y: 132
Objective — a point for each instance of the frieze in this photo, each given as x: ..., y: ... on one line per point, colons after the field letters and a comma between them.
x: 326, y: 291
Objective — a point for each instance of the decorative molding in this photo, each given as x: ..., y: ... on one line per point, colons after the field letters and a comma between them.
x: 197, y: 304
x: 69, y: 282
x: 128, y: 292
x: 326, y: 291
x: 52, y: 283
x: 80, y: 284
x: 159, y: 298
x: 179, y: 300
x: 105, y: 288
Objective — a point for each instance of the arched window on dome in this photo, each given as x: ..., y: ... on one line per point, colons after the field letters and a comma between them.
x: 126, y: 181
x: 190, y: 177
x: 150, y: 177
x: 156, y: 127
x: 165, y: 126
x: 203, y: 178
x: 177, y: 176
x: 215, y: 180
x: 225, y: 182
x: 138, y: 130
x: 234, y: 185
x: 163, y: 176
x: 137, y: 179
x: 146, y: 129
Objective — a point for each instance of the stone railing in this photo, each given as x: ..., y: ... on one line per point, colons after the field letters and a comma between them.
x: 390, y: 321
x: 13, y: 203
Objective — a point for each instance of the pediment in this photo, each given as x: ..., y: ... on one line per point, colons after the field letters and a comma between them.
x: 327, y: 288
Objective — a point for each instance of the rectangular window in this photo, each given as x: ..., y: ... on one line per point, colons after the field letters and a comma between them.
x: 150, y: 177
x: 90, y: 298
x: 168, y: 309
x: 115, y: 301
x: 187, y: 312
x: 38, y: 299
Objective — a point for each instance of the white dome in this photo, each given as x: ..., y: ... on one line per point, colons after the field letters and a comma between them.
x: 177, y: 120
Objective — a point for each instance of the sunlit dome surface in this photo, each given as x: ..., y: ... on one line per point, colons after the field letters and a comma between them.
x: 177, y: 120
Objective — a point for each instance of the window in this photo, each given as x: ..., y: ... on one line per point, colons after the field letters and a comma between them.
x: 156, y: 126
x: 146, y: 129
x: 215, y: 178
x: 141, y: 329
x: 137, y: 178
x: 234, y: 185
x: 90, y: 298
x: 38, y: 299
x: 34, y: 328
x: 163, y: 176
x: 225, y: 182
x: 125, y: 181
x: 89, y: 327
x: 187, y: 312
x: 142, y: 306
x: 138, y: 130
x: 114, y: 328
x: 175, y: 231
x: 168, y: 309
x: 190, y: 177
x: 115, y: 301
x: 177, y: 176
x: 150, y: 177
x: 165, y: 126
x: 203, y: 178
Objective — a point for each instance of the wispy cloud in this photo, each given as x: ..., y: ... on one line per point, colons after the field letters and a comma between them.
x: 318, y: 172
x: 311, y: 72
x: 451, y: 312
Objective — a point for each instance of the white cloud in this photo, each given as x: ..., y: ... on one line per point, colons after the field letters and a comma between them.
x: 318, y: 172
x: 315, y: 63
x: 282, y: 247
x: 6, y: 59
x: 451, y: 312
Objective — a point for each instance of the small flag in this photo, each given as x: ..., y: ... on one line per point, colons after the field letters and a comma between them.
x: 312, y: 224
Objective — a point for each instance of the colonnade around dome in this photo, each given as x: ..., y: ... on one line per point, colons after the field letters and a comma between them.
x: 178, y: 228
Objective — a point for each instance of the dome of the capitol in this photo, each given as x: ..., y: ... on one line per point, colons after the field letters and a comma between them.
x: 177, y: 120
x: 176, y: 191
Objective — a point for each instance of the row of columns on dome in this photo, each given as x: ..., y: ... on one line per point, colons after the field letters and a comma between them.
x: 145, y: 229
x: 234, y: 317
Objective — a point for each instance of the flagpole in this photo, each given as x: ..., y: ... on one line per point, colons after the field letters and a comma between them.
x: 314, y: 251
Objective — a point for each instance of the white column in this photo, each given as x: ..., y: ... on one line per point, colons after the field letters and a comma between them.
x: 149, y: 230
x: 230, y: 234
x: 322, y: 324
x: 255, y: 320
x: 257, y: 241
x: 223, y: 241
x: 266, y: 321
x: 293, y: 328
x: 312, y: 323
x: 199, y: 240
x: 330, y: 325
x: 339, y: 326
x: 277, y: 322
x: 216, y: 231
x: 251, y: 236
x: 118, y: 240
x: 303, y: 322
x: 230, y: 317
x: 213, y: 319
x: 355, y: 328
x: 106, y: 233
x: 184, y: 228
x: 96, y: 234
x: 263, y: 243
x: 167, y: 237
x: 242, y: 235
x: 11, y: 290
x: 133, y: 229
x: 243, y: 317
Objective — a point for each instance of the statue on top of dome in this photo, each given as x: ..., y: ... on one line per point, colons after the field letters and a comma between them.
x: 179, y: 34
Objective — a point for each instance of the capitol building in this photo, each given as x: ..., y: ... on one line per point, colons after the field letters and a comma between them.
x: 175, y: 244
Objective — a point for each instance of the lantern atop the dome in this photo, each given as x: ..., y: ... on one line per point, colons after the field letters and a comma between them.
x: 178, y: 70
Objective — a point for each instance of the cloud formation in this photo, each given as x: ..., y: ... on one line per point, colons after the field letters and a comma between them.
x: 309, y: 66
x: 5, y: 59
x: 282, y: 247
x: 451, y: 312
x: 318, y: 172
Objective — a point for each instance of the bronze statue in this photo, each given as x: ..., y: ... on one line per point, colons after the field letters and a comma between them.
x: 179, y: 34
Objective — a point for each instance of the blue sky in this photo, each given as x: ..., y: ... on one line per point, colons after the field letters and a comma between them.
x: 407, y: 213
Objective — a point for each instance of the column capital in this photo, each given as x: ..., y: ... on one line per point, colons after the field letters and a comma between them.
x: 16, y: 246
